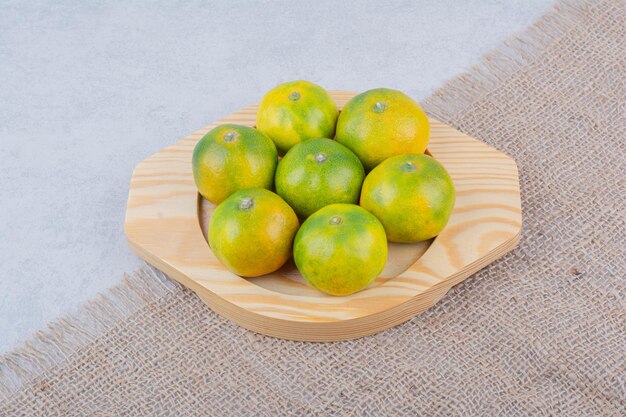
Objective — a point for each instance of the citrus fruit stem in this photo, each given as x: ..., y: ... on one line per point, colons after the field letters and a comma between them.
x: 230, y: 136
x: 408, y: 167
x: 336, y: 220
x: 379, y: 107
x: 320, y: 157
x: 246, y: 203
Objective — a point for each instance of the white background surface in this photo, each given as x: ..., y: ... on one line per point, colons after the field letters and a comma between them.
x: 88, y: 90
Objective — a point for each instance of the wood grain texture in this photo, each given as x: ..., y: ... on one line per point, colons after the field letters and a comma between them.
x: 166, y: 221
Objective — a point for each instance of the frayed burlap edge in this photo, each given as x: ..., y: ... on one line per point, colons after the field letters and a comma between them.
x: 514, y: 54
x: 66, y: 336
x: 63, y: 338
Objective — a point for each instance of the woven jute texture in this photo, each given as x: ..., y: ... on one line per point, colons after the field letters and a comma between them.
x: 540, y: 332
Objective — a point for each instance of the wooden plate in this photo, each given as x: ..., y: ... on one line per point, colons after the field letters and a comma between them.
x: 166, y: 225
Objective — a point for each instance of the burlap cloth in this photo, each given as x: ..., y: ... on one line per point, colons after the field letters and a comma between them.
x: 540, y: 332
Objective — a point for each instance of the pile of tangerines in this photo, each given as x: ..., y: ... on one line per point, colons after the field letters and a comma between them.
x: 355, y: 180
